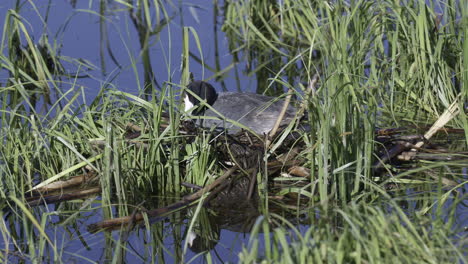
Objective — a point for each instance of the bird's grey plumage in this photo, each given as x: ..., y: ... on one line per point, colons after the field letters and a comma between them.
x: 257, y: 112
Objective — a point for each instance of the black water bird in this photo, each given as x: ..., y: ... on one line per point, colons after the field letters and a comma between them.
x: 256, y: 112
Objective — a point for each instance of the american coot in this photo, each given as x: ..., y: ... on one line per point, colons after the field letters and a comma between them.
x: 254, y: 111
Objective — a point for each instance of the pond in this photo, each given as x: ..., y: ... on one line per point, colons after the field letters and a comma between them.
x: 100, y: 162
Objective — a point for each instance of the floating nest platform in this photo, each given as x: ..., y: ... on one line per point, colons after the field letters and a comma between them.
x: 242, y: 155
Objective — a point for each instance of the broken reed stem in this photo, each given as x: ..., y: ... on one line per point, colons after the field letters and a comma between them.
x: 279, y: 119
x: 448, y: 115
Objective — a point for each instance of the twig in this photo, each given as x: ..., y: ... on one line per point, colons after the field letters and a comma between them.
x: 60, y: 185
x: 253, y: 180
x: 55, y: 198
x: 279, y: 119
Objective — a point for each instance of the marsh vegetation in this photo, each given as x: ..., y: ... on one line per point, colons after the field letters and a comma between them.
x: 368, y: 76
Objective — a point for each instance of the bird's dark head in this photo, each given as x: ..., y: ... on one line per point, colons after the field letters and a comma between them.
x: 204, y: 91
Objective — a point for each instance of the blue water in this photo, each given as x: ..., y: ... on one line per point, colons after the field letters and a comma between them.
x: 78, y: 34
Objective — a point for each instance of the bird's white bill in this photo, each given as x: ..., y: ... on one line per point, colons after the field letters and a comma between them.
x: 190, y: 238
x: 188, y: 104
